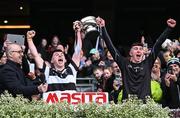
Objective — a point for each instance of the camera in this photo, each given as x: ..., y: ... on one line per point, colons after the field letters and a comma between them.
x: 170, y: 70
x: 117, y: 83
x: 118, y: 79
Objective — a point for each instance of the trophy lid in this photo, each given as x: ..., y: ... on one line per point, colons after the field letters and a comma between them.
x: 88, y: 19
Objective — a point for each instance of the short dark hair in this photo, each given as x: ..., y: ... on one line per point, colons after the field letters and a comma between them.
x: 56, y: 50
x: 136, y: 44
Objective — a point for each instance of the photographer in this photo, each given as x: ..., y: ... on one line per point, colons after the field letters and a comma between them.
x: 171, y: 84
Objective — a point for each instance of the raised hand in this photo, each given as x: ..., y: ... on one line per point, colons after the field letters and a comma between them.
x: 167, y: 79
x: 30, y: 34
x: 171, y: 23
x: 100, y: 22
x: 66, y: 48
x: 77, y: 26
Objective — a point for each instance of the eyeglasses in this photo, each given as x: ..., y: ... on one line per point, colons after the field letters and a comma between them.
x: 20, y: 51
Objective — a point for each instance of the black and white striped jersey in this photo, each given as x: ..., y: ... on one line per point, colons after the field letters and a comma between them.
x: 61, y: 80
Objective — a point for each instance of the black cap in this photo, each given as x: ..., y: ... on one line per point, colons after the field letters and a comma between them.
x: 173, y: 61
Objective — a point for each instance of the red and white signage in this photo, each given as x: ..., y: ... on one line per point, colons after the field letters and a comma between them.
x: 75, y: 97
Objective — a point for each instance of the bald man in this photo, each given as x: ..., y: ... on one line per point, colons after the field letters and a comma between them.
x: 12, y: 76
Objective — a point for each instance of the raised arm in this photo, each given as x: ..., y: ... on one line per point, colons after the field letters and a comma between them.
x: 157, y: 46
x: 78, y: 43
x: 114, y: 52
x: 39, y: 61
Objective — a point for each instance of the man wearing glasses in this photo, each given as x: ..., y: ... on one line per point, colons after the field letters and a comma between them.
x: 12, y: 76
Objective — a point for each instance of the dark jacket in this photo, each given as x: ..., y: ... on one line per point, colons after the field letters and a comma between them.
x: 171, y: 94
x: 13, y: 79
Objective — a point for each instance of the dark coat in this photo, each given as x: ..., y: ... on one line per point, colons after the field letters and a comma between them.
x: 171, y: 94
x: 12, y: 79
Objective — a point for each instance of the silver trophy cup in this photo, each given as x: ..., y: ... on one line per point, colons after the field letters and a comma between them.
x: 90, y: 27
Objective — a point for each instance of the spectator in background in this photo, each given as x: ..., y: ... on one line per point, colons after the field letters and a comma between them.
x: 92, y: 62
x: 177, y: 49
x: 43, y: 49
x: 98, y: 75
x: 177, y: 53
x: 117, y: 83
x: 156, y: 80
x: 156, y: 71
x: 60, y: 47
x: 96, y: 59
x: 136, y: 72
x: 108, y: 59
x: 95, y: 56
x: 108, y: 79
x: 117, y: 72
x: 165, y: 55
x: 12, y: 76
x: 117, y: 88
x: 54, y: 43
x: 170, y: 49
x: 171, y: 84
x: 115, y: 68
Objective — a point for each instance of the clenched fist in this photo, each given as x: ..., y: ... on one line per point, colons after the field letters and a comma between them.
x: 77, y: 26
x: 171, y: 23
x: 30, y: 34
x: 100, y: 22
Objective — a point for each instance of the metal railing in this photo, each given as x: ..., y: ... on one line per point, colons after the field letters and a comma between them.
x: 85, y: 84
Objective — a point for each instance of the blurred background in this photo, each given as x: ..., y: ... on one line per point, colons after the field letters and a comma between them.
x: 125, y: 20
